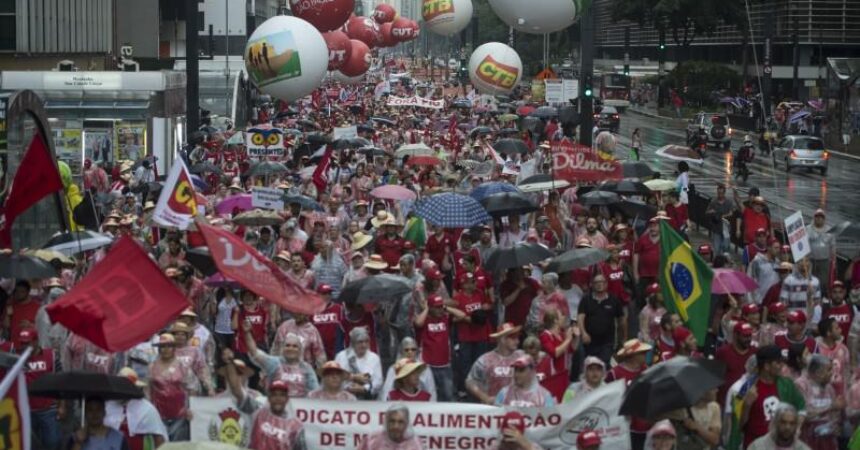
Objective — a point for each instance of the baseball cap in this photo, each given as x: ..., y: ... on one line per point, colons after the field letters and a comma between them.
x: 750, y: 308
x: 332, y: 366
x: 652, y: 288
x: 515, y: 420
x: 785, y: 266
x: 705, y: 249
x: 523, y: 361
x: 837, y: 284
x: 797, y: 317
x: 768, y: 353
x: 279, y: 385
x: 593, y: 361
x: 433, y: 274
x: 775, y: 308
x: 435, y: 300
x: 587, y: 439
x: 760, y: 231
x: 27, y: 335
x: 681, y: 334
x: 324, y: 289
x: 744, y: 329
x: 663, y: 428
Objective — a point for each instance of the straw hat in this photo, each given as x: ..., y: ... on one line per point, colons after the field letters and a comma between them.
x: 171, y: 272
x: 380, y: 218
x: 188, y: 312
x: 406, y: 367
x: 283, y: 255
x: 360, y: 240
x: 633, y: 347
x: 54, y: 283
x: 114, y: 214
x: 333, y: 366
x: 149, y: 205
x: 376, y: 262
x: 111, y: 222
x: 129, y: 373
x: 235, y: 186
x: 165, y: 340
x: 505, y: 329
x: 180, y: 327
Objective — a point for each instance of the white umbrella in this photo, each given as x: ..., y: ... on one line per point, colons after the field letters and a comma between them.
x: 680, y: 153
x: 77, y: 242
x: 543, y: 186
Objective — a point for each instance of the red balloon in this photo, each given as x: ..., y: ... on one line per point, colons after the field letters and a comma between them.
x: 385, y: 37
x: 402, y: 30
x: 359, y: 59
x: 339, y: 48
x: 384, y: 13
x: 363, y: 29
x: 325, y: 15
x: 416, y: 29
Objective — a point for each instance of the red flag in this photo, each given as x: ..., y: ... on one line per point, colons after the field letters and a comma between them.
x: 123, y: 301
x: 37, y: 176
x: 320, y: 177
x: 239, y: 261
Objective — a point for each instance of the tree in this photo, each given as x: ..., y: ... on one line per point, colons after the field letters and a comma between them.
x: 684, y: 19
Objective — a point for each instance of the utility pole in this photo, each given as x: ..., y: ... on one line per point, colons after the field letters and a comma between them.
x: 795, y: 42
x: 661, y: 62
x: 192, y: 69
x: 586, y: 74
x: 627, y: 51
x: 767, y: 69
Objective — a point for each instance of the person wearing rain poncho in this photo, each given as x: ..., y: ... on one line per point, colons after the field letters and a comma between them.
x: 72, y: 196
x: 783, y: 431
x: 397, y: 434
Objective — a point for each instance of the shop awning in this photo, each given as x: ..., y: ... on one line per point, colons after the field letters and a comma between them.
x: 97, y: 104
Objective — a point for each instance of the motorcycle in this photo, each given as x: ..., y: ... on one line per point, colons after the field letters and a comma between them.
x: 741, y: 164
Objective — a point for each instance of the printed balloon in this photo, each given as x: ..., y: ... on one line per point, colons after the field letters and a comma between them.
x: 343, y: 79
x: 385, y: 37
x: 286, y: 57
x: 495, y: 68
x: 359, y: 59
x: 416, y: 30
x: 363, y: 29
x: 447, y: 17
x: 551, y: 16
x: 339, y: 48
x: 402, y: 29
x: 384, y: 13
x: 326, y: 15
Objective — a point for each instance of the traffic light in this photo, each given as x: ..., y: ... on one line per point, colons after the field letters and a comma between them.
x: 661, y: 44
x: 627, y: 70
x: 588, y: 88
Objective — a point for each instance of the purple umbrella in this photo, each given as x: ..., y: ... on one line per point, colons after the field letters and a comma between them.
x: 241, y: 202
x: 218, y: 281
x: 798, y: 116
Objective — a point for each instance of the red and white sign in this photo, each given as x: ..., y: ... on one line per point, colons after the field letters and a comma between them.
x: 450, y: 426
x: 177, y: 204
x: 416, y: 102
x: 579, y: 163
x: 797, y: 236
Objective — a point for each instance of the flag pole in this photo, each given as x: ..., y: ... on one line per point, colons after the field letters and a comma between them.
x: 12, y: 374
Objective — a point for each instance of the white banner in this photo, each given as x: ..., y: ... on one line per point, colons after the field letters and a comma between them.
x: 267, y: 198
x: 418, y: 102
x: 177, y: 203
x: 570, y: 89
x: 797, y: 237
x: 554, y: 92
x: 345, y: 132
x: 450, y: 426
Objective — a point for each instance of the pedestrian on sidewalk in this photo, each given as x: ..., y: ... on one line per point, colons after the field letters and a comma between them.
x: 635, y: 145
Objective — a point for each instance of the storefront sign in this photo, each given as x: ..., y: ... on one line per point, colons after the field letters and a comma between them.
x: 417, y: 102
x: 797, y: 237
x: 267, y: 198
x: 82, y: 80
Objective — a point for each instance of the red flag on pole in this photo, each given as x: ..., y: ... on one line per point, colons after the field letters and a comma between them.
x: 239, y: 261
x: 123, y: 301
x: 320, y: 177
x: 37, y: 176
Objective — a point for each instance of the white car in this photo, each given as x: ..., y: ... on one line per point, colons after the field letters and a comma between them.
x: 800, y: 150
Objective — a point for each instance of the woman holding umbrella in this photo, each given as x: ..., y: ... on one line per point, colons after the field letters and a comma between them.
x: 168, y: 381
x: 95, y: 435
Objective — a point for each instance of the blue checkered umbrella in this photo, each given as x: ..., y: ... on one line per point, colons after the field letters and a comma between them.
x: 485, y: 190
x: 451, y: 211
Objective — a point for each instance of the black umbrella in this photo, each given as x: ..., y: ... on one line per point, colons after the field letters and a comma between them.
x: 372, y: 151
x: 364, y: 128
x: 203, y: 167
x: 25, y: 267
x: 545, y: 112
x: 304, y: 201
x: 318, y: 138
x: 636, y: 169
x: 201, y: 259
x: 511, y: 146
x: 508, y: 131
x: 375, y: 289
x: 266, y: 168
x: 480, y: 130
x: 507, y: 203
x: 674, y: 384
x: 305, y: 123
x: 634, y: 209
x: 596, y: 198
x: 384, y: 120
x: 577, y: 258
x: 506, y: 106
x: 517, y: 256
x: 625, y: 187
x: 75, y: 385
x: 533, y: 124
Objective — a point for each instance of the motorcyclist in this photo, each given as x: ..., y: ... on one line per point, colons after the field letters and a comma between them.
x: 746, y: 154
x: 699, y: 139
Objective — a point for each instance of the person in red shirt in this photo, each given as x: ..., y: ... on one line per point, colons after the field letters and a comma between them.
x: 559, y: 341
x: 439, y: 248
x: 517, y: 293
x: 389, y: 245
x: 759, y: 245
x: 753, y: 218
x: 460, y: 255
x: 796, y: 334
x: 21, y: 310
x: 473, y: 330
x: 768, y: 391
x: 354, y: 316
x: 329, y: 323
x: 678, y: 214
x: 646, y: 255
x: 837, y: 308
x: 735, y: 355
x: 631, y: 364
x: 407, y: 383
x: 433, y: 325
x: 252, y: 312
x: 615, y: 271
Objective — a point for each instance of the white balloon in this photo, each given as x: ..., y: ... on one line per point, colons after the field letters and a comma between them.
x: 343, y: 79
x: 536, y: 16
x: 286, y: 57
x: 447, y: 17
x: 495, y: 68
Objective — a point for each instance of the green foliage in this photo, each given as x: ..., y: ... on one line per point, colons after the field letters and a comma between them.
x: 683, y: 19
x: 701, y: 78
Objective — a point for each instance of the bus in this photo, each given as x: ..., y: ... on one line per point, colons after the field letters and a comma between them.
x: 615, y: 90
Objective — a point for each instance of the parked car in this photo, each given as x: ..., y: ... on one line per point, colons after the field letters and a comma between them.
x: 608, y: 119
x: 716, y: 125
x: 800, y: 150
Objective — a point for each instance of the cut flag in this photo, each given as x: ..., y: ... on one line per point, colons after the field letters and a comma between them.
x: 239, y: 261
x: 320, y: 176
x: 685, y: 279
x: 122, y: 302
x: 37, y: 176
x: 177, y: 204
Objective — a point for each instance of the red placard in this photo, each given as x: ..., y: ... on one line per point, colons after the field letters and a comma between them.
x: 578, y: 163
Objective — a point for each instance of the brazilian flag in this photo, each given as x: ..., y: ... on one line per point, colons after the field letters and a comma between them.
x: 686, y: 281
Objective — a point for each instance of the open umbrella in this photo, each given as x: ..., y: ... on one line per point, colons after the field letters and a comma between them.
x: 680, y: 153
x: 508, y: 117
x: 52, y: 255
x: 451, y: 210
x: 375, y: 289
x: 258, y: 218
x: 266, y: 168
x: 461, y: 103
x: 670, y: 385
x: 317, y: 139
x: 305, y: 123
x: 470, y: 164
x: 74, y: 384
x: 541, y: 182
x: 846, y: 230
x: 73, y: 242
x: 413, y: 150
x: 201, y: 259
x: 517, y: 256
x: 625, y: 187
x: 384, y: 120
x: 635, y: 209
x: 489, y: 188
x: 205, y: 166
x: 392, y: 192
x: 577, y: 258
x: 219, y: 281
x: 525, y: 110
x: 798, y: 116
x: 545, y: 112
x: 304, y: 201
x: 636, y: 169
x: 507, y: 203
x: 25, y: 267
x: 242, y: 202
x: 599, y: 198
x: 423, y: 160
x: 372, y: 151
x: 731, y: 281
x: 511, y: 146
x: 479, y: 131
x: 661, y: 185
x: 509, y: 131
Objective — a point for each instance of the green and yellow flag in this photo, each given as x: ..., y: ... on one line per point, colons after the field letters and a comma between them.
x: 686, y: 281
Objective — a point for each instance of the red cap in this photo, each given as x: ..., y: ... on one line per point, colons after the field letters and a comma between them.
x: 837, y: 284
x: 587, y: 439
x: 652, y: 288
x: 435, y: 300
x: 786, y: 249
x: 760, y: 231
x: 777, y: 307
x: 279, y: 385
x: 433, y: 274
x: 515, y: 420
x: 744, y: 329
x: 324, y: 289
x: 750, y: 308
x: 705, y: 249
x: 681, y: 334
x: 523, y: 361
x: 27, y: 335
x: 408, y: 246
x: 797, y: 316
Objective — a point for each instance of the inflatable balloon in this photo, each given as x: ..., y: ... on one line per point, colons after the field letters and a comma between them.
x: 495, y: 68
x: 339, y: 48
x: 343, y: 79
x: 286, y: 57
x: 326, y: 15
x: 551, y: 16
x: 402, y: 29
x: 384, y: 13
x: 359, y: 59
x: 416, y: 29
x: 386, y: 39
x: 363, y: 29
x: 447, y: 17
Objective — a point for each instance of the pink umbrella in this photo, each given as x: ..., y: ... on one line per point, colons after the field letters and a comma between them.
x: 731, y: 281
x: 393, y: 192
x: 217, y: 280
x: 229, y: 204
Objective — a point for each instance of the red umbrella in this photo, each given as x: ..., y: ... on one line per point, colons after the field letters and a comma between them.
x: 525, y: 110
x: 423, y: 161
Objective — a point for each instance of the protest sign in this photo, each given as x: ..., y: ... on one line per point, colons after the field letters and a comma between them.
x: 578, y: 163
x: 797, y: 236
x: 267, y: 198
x: 554, y: 92
x: 418, y: 102
x: 345, y: 132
